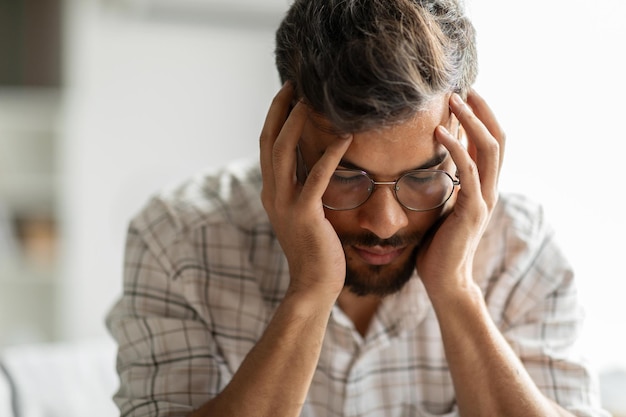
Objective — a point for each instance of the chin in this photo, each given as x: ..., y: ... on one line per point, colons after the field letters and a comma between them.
x: 379, y: 280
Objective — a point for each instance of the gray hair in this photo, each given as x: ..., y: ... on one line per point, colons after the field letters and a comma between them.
x: 365, y: 64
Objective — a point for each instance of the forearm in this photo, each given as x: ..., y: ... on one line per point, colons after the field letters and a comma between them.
x: 489, y: 379
x: 276, y: 375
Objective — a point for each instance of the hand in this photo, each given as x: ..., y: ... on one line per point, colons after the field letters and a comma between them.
x: 446, y: 259
x: 311, y: 245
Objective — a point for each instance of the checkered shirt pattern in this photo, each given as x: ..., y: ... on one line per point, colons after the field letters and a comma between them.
x: 203, y: 274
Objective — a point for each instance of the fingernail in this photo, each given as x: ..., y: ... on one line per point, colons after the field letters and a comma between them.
x: 443, y: 133
x: 442, y: 129
x: 457, y: 100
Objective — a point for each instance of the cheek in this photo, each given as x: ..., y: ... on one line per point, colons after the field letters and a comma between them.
x: 420, y: 223
x: 342, y: 221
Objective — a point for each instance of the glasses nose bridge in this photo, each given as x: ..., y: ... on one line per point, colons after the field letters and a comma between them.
x: 382, y: 183
x: 392, y: 184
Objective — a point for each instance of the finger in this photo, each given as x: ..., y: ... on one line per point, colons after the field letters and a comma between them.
x: 283, y: 158
x: 466, y: 167
x: 485, y: 114
x: 321, y: 172
x: 487, y: 148
x: 276, y: 116
x: 471, y: 148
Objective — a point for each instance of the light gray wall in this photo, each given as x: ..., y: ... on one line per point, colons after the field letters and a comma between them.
x: 154, y: 98
x: 150, y: 101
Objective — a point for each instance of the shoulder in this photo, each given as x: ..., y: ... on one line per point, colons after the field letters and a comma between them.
x: 520, y: 262
x: 518, y: 215
x: 518, y: 229
x: 227, y: 197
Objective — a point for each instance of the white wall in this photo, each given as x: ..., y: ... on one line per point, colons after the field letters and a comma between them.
x: 152, y: 101
x: 553, y: 71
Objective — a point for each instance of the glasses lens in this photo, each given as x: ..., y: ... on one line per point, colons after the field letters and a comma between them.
x: 347, y: 189
x: 424, y: 190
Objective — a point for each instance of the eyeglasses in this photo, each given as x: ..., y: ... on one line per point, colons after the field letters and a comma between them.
x: 418, y: 190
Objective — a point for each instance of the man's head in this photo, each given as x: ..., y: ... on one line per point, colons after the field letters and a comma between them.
x: 382, y: 70
x: 367, y: 64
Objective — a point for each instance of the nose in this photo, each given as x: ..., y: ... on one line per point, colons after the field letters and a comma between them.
x: 382, y: 214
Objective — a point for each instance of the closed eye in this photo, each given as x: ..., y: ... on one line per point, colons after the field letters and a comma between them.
x: 348, y: 176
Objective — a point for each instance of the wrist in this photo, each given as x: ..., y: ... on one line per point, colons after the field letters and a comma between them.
x: 307, y: 303
x: 312, y: 289
x: 456, y: 294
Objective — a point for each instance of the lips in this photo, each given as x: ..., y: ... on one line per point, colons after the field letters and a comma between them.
x: 378, y: 255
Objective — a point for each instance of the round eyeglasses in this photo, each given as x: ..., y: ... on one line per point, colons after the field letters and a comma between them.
x: 418, y: 190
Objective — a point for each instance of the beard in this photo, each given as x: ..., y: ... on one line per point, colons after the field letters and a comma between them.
x: 379, y: 280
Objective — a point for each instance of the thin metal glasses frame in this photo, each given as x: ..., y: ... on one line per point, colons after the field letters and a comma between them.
x: 302, y: 172
x: 455, y: 182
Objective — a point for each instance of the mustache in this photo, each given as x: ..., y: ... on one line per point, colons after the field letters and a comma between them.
x: 370, y: 239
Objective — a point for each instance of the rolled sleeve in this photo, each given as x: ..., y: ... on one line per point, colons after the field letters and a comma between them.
x: 168, y: 362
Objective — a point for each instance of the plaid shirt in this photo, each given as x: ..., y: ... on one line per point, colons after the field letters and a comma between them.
x: 204, y: 274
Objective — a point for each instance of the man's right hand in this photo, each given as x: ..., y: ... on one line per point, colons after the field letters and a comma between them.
x: 313, y: 250
x: 267, y: 383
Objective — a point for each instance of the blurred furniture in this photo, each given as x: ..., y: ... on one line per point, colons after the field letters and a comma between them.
x: 79, y: 379
x: 28, y: 236
x: 30, y: 97
x: 58, y: 380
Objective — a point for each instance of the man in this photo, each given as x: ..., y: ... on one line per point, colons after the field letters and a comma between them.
x: 379, y: 273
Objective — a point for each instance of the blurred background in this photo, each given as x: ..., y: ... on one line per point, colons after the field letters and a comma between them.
x: 104, y: 102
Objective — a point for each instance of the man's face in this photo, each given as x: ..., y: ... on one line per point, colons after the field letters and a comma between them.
x: 380, y: 238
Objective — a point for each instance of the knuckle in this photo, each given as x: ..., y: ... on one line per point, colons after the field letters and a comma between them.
x: 263, y: 137
x: 264, y: 143
x: 467, y: 116
x: 479, y: 212
x: 315, y: 174
x: 266, y: 199
x: 492, y: 202
x: 278, y: 154
x: 498, y: 134
x: 471, y: 168
x: 493, y: 148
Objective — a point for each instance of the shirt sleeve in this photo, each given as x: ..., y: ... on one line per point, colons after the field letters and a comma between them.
x: 541, y: 316
x: 168, y: 362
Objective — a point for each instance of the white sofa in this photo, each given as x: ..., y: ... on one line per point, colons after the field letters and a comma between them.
x: 58, y: 380
x: 79, y: 379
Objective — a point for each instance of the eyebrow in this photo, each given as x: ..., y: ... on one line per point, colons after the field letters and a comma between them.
x: 435, y: 160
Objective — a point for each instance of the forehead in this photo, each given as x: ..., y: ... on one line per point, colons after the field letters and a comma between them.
x: 388, y: 150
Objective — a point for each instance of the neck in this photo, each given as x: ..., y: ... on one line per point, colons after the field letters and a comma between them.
x: 360, y: 309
